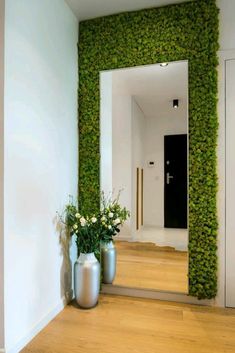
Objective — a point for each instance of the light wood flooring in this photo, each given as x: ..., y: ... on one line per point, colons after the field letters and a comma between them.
x: 145, y: 265
x: 133, y: 325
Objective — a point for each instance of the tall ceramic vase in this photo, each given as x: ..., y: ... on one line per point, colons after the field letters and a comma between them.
x: 108, y: 260
x: 87, y: 280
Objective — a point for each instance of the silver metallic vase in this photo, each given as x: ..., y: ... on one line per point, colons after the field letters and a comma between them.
x: 87, y: 280
x: 108, y: 260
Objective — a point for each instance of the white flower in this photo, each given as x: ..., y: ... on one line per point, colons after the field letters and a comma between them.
x: 75, y: 226
x: 82, y: 221
x: 117, y: 221
x: 77, y: 215
x: 103, y: 218
x: 110, y: 214
x: 94, y: 219
x: 109, y: 227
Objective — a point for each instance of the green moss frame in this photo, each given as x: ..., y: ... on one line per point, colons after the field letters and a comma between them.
x: 187, y: 31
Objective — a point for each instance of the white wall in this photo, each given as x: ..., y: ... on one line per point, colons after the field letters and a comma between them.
x: 40, y: 159
x: 1, y: 173
x: 164, y: 123
x: 227, y: 52
x: 122, y: 158
x: 227, y: 24
x: 116, y: 143
x: 137, y: 138
x: 230, y: 185
x: 106, y: 156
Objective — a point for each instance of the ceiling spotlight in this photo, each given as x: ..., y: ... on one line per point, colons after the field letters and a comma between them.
x: 175, y: 103
x: 164, y: 64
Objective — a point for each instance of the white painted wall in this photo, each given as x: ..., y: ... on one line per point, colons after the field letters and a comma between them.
x: 138, y: 149
x: 106, y: 155
x: 2, y: 15
x: 227, y: 24
x: 116, y: 143
x: 121, y: 151
x: 165, y: 122
x: 230, y: 185
x: 227, y: 52
x: 41, y: 165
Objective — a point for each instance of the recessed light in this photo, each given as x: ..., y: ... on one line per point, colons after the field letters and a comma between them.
x: 164, y: 64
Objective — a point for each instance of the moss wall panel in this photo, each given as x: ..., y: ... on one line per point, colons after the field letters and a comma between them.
x: 187, y: 31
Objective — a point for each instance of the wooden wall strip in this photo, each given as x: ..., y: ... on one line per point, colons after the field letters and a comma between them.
x: 137, y: 198
x: 142, y: 196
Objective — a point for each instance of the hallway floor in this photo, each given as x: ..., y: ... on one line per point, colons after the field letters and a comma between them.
x: 132, y: 325
x: 145, y: 265
x: 176, y: 238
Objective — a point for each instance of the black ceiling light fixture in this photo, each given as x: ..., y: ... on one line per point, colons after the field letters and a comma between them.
x: 175, y: 103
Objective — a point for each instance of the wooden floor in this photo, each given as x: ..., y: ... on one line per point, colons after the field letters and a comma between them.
x: 132, y: 325
x: 145, y: 265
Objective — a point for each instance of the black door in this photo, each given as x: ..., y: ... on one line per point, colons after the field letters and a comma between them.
x: 175, y: 186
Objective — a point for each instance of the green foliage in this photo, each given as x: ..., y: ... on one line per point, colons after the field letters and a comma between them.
x: 112, y: 216
x: 90, y: 231
x: 187, y: 31
x: 85, y: 229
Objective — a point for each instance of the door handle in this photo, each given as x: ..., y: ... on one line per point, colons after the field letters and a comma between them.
x: 168, y: 178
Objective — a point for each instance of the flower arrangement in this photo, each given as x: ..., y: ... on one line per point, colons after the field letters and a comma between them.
x: 112, y: 216
x: 86, y: 229
x: 91, y: 230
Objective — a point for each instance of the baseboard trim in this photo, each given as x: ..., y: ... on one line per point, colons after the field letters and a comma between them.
x: 154, y: 294
x: 37, y: 328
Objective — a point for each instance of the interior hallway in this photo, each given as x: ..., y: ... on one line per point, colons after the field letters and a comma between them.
x: 133, y: 325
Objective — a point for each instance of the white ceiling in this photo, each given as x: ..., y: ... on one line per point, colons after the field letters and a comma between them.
x: 154, y: 87
x: 86, y: 9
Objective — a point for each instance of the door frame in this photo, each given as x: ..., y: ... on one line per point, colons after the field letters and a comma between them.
x: 220, y: 299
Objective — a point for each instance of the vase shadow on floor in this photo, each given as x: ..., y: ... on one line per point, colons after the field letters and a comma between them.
x: 74, y: 304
